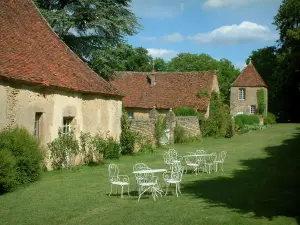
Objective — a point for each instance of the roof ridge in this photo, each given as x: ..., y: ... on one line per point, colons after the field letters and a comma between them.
x: 249, y: 77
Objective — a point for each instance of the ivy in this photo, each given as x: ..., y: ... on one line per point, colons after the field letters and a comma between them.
x: 160, y: 127
x: 202, y: 93
x: 261, y: 102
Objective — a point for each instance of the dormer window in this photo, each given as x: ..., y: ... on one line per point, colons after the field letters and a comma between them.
x: 242, y: 94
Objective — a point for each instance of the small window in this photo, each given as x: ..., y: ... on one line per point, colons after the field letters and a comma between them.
x: 242, y: 94
x: 67, y: 125
x: 130, y: 115
x: 37, y: 124
x: 252, y: 109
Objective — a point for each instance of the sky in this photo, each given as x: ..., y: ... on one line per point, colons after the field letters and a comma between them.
x: 229, y: 29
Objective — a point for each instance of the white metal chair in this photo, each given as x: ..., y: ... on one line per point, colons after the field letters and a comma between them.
x: 199, y: 152
x: 139, y: 167
x: 173, y: 153
x: 210, y: 161
x: 174, y: 177
x: 168, y: 160
x: 116, y: 179
x: 191, y: 162
x: 148, y: 182
x: 220, y: 160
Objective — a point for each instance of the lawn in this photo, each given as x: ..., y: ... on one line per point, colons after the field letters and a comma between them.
x: 259, y: 185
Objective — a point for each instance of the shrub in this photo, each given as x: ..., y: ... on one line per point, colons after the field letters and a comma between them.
x: 246, y: 128
x: 127, y: 138
x: 63, y: 149
x: 219, y: 123
x: 202, y: 93
x: 160, y: 127
x: 21, y: 158
x: 185, y: 111
x: 86, y: 147
x: 179, y: 134
x: 241, y: 120
x: 270, y: 119
x: 112, y: 150
x: 146, y: 145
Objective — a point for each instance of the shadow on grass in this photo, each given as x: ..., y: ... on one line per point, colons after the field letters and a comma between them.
x: 269, y: 187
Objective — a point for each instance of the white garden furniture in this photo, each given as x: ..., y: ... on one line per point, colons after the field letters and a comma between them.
x: 191, y: 162
x: 210, y: 161
x: 148, y: 182
x: 139, y: 167
x: 220, y: 160
x: 116, y: 179
x: 174, y: 177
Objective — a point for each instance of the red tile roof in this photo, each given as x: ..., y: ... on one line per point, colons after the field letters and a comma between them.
x: 249, y: 78
x: 31, y: 52
x: 172, y: 89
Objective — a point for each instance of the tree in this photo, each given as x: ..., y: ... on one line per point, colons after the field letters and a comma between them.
x: 287, y: 21
x: 160, y: 65
x: 227, y: 74
x: 122, y: 58
x: 186, y: 62
x: 90, y: 27
x: 266, y: 63
x: 287, y: 18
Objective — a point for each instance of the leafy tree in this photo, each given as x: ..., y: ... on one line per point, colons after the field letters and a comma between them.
x: 160, y: 65
x: 227, y: 73
x: 90, y: 27
x: 122, y: 58
x: 266, y: 63
x: 287, y: 21
x: 186, y: 62
x: 287, y: 18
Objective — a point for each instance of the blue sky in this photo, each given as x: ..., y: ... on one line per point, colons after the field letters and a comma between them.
x: 229, y: 29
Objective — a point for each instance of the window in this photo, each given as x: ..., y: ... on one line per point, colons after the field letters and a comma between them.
x: 67, y: 125
x: 130, y: 115
x: 252, y: 109
x: 242, y: 94
x: 37, y: 124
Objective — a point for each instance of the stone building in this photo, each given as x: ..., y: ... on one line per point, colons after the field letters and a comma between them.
x: 44, y: 86
x: 243, y: 96
x: 165, y: 90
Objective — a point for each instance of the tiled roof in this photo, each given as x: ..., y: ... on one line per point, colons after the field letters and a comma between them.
x: 172, y: 89
x: 31, y: 52
x: 249, y: 78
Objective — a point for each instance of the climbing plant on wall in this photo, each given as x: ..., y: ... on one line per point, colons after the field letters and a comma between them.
x: 261, y: 102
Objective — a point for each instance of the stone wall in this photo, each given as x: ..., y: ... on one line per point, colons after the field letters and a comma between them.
x: 243, y: 106
x: 190, y: 124
x: 145, y: 127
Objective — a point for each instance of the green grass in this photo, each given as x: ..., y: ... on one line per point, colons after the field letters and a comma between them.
x: 260, y: 185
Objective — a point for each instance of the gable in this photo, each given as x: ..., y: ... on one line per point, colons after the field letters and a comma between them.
x: 249, y: 78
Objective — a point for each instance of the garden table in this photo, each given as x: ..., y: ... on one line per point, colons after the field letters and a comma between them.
x: 147, y: 171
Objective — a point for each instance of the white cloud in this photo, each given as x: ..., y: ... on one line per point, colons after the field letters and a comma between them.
x: 162, y: 53
x: 148, y: 38
x: 234, y: 3
x: 175, y: 37
x: 237, y: 33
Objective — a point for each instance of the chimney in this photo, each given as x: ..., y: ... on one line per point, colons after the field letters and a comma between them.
x: 151, y: 77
